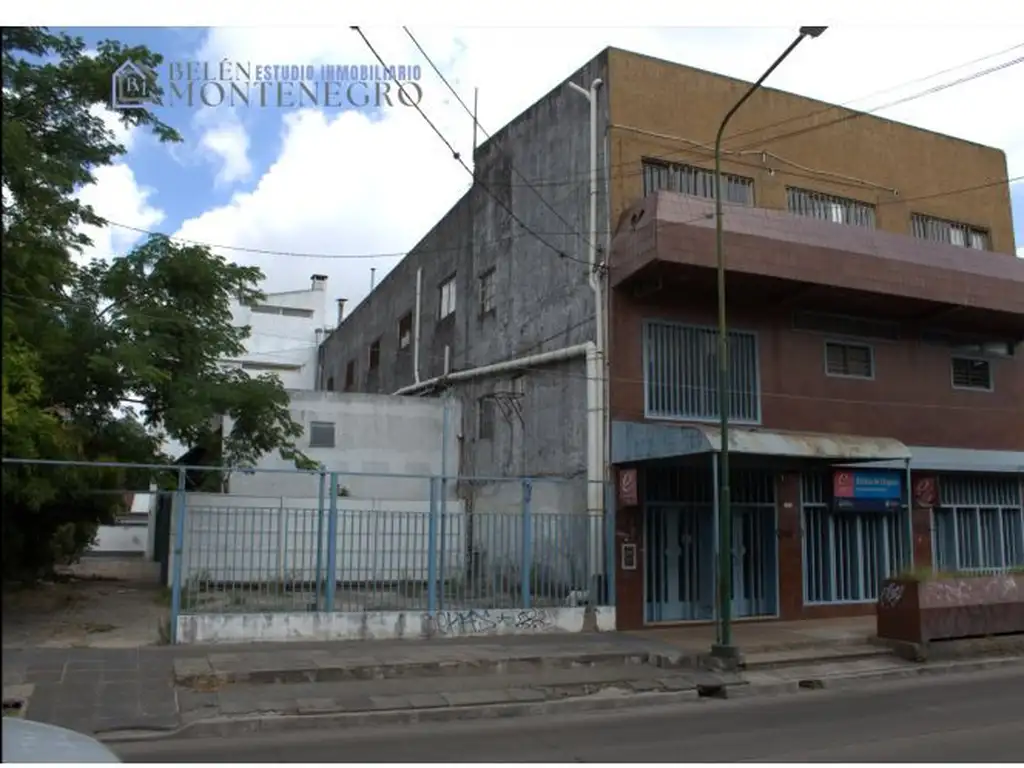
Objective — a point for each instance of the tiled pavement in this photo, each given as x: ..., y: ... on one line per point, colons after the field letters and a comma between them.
x: 99, y: 690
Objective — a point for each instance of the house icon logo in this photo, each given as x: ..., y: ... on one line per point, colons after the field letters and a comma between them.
x: 133, y: 86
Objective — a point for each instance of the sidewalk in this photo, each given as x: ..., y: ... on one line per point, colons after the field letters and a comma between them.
x: 98, y: 690
x: 226, y: 690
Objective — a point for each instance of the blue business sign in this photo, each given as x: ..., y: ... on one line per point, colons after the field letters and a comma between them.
x: 866, y: 490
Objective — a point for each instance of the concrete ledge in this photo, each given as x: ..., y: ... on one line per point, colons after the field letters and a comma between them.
x: 214, y: 671
x: 390, y: 625
x: 271, y: 723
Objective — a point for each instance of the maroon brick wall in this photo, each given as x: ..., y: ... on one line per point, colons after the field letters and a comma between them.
x: 910, y: 398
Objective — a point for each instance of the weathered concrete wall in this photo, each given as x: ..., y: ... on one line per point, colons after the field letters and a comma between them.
x: 390, y: 625
x: 374, y: 434
x: 128, y: 537
x: 542, y: 300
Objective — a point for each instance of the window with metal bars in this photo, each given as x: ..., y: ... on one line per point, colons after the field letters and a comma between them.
x: 839, y: 210
x: 855, y: 361
x: 972, y: 373
x: 681, y: 373
x: 699, y: 182
x: 949, y: 232
x: 979, y: 524
x: 847, y: 555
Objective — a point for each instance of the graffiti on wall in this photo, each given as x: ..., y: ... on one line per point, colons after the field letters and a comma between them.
x: 485, y: 622
x: 891, y: 595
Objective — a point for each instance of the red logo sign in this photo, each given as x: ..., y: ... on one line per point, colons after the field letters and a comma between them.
x: 628, y: 495
x: 842, y: 485
x: 926, y: 492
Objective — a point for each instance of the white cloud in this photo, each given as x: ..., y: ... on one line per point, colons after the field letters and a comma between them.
x: 327, y: 185
x: 118, y: 196
x: 226, y: 144
x: 344, y: 184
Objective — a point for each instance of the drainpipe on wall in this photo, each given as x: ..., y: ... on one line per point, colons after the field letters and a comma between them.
x: 416, y: 328
x: 596, y: 477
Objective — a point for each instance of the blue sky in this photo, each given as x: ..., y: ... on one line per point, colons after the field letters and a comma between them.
x: 329, y: 182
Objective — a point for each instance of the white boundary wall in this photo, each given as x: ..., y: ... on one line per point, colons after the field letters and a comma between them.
x: 390, y: 625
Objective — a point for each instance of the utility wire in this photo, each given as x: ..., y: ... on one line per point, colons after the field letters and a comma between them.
x: 472, y: 114
x: 458, y: 158
x: 912, y: 97
x: 889, y: 89
x: 501, y: 241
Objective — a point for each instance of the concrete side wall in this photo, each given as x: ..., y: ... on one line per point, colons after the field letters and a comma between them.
x: 374, y: 434
x: 390, y: 625
x: 124, y: 538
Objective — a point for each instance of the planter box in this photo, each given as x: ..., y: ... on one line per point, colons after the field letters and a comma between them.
x: 951, y: 607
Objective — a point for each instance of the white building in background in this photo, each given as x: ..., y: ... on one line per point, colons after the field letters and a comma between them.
x: 287, y: 329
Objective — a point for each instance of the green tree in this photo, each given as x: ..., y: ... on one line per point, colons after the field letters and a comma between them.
x: 80, y: 342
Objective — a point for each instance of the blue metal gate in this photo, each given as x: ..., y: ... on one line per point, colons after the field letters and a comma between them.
x: 681, y: 545
x: 847, y: 554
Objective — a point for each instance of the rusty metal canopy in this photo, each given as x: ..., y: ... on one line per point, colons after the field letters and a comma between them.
x: 641, y: 441
x: 963, y: 460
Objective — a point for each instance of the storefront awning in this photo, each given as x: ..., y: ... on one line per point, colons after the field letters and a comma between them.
x: 640, y: 441
x: 961, y: 460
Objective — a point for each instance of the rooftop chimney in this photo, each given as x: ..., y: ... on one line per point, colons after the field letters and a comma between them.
x: 341, y: 309
x: 319, y: 282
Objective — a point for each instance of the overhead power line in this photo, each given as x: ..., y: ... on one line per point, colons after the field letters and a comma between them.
x: 458, y: 158
x: 501, y: 241
x: 472, y: 114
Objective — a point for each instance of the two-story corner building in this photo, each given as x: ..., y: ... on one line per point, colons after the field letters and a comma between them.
x: 876, y: 316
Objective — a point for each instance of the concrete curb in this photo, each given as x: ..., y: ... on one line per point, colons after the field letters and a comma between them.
x: 271, y: 723
x: 861, y: 679
x: 610, y: 699
x: 192, y: 673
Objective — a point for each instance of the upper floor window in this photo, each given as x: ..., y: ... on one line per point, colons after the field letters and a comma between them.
x: 699, y: 182
x: 949, y: 232
x: 405, y: 331
x: 855, y: 361
x: 488, y: 300
x: 972, y: 373
x: 267, y: 309
x: 447, y: 298
x: 374, y: 361
x: 681, y: 373
x: 839, y: 210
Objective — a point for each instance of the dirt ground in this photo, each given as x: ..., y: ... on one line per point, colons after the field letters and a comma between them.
x: 102, y: 602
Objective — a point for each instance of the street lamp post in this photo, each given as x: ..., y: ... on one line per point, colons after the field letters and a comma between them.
x: 723, y: 647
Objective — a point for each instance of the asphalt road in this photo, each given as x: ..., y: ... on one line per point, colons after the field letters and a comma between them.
x: 956, y: 718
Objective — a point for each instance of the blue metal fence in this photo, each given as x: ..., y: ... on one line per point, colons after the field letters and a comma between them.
x: 459, y: 543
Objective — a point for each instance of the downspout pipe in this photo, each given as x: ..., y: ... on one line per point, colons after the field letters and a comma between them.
x: 596, y: 478
x: 416, y: 327
x: 521, y: 363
